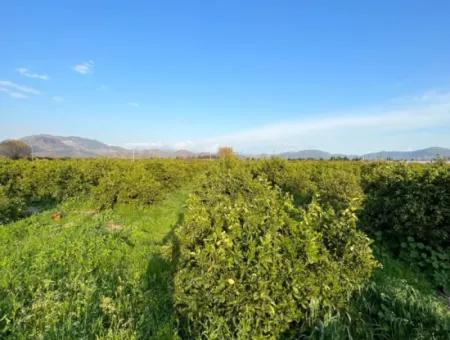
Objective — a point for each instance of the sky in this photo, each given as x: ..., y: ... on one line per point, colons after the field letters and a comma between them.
x: 260, y: 76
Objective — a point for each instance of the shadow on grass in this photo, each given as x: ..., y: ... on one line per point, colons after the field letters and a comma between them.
x: 387, y: 307
x: 159, y: 320
x: 16, y: 213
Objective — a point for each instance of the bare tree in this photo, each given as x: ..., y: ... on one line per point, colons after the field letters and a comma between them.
x: 15, y: 149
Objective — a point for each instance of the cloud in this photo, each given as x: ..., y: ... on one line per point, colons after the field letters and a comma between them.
x: 413, y: 123
x: 134, y: 104
x: 344, y: 132
x: 17, y: 91
x: 84, y: 68
x: 57, y: 99
x: 27, y: 73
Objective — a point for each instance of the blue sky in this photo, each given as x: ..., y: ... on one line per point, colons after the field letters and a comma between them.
x: 261, y: 76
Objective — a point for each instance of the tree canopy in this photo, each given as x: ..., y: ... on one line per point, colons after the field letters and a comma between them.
x: 15, y: 149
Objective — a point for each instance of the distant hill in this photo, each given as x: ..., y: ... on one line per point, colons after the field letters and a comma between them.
x: 77, y: 147
x: 427, y: 154
x: 305, y: 154
x: 417, y: 155
x: 57, y: 146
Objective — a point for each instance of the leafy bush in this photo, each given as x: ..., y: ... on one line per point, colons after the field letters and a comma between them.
x: 10, y: 208
x: 170, y: 173
x: 408, y: 206
x: 133, y: 186
x: 48, y: 182
x: 337, y: 188
x: 332, y: 184
x: 397, y: 303
x: 403, y: 201
x: 253, y: 266
x: 276, y: 170
x: 435, y: 262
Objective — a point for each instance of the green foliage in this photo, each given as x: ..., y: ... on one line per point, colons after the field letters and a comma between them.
x: 44, y: 182
x: 435, y: 262
x: 135, y: 185
x: 250, y: 261
x: 336, y: 187
x: 170, y: 173
x: 253, y: 266
x: 398, y: 303
x: 332, y: 184
x: 89, y: 275
x: 406, y: 201
x: 408, y: 206
x: 10, y: 208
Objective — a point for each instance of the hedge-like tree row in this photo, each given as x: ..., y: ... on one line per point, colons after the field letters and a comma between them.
x: 25, y: 184
x: 253, y: 265
x: 408, y: 208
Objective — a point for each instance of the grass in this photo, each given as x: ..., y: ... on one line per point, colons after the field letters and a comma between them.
x: 398, y: 303
x: 108, y: 275
x: 89, y: 274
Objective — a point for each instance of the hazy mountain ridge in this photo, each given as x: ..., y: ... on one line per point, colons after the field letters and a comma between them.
x: 58, y: 146
x: 418, y: 155
x: 78, y: 147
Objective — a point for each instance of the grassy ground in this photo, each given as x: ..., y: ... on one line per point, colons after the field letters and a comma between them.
x: 86, y: 274
x: 397, y: 303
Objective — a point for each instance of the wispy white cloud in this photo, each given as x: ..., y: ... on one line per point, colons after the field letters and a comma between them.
x: 57, y: 99
x: 343, y: 132
x: 28, y: 73
x: 84, y: 68
x: 412, y: 122
x: 134, y: 104
x: 17, y: 91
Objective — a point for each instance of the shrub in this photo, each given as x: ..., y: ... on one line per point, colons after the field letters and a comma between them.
x: 170, y: 173
x: 10, y: 208
x: 403, y: 201
x: 434, y: 262
x: 133, y: 186
x: 276, y: 170
x: 333, y: 184
x: 408, y: 207
x: 397, y: 303
x: 251, y: 265
x: 337, y: 188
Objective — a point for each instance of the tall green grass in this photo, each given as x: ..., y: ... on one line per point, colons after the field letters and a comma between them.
x: 398, y: 303
x: 90, y: 274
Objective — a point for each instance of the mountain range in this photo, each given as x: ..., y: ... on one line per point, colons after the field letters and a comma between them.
x: 427, y: 154
x: 77, y: 147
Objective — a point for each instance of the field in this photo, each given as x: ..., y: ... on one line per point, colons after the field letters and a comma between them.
x: 223, y: 249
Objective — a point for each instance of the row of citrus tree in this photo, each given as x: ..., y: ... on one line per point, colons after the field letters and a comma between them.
x: 29, y: 185
x: 254, y: 264
x: 404, y: 205
x: 267, y: 248
x: 407, y: 208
